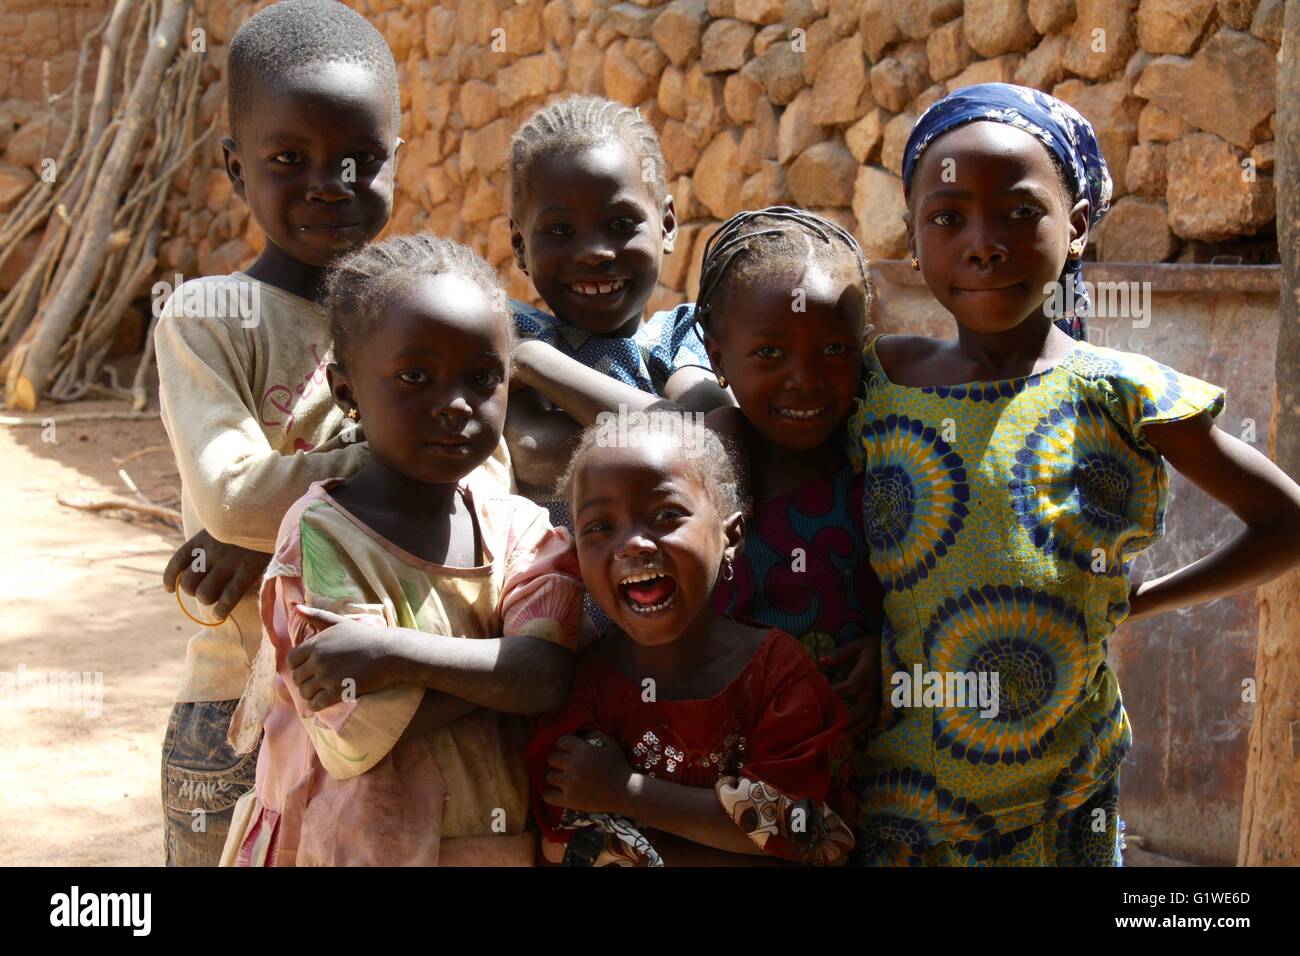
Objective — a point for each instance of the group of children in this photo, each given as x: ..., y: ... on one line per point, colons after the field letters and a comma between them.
x: 684, y: 650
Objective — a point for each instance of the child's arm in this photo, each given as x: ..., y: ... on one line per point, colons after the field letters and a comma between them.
x: 541, y: 439
x: 525, y: 672
x: 584, y: 392
x: 568, y: 384
x: 696, y: 390
x: 436, y: 709
x: 352, y: 735
x: 515, y: 675
x: 590, y: 773
x: 239, y: 486
x: 1248, y: 484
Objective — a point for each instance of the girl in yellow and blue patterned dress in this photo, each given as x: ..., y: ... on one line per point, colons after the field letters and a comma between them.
x: 1010, y: 476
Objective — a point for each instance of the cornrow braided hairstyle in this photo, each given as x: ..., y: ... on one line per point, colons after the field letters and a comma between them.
x: 755, y: 242
x: 360, y: 284
x: 293, y: 34
x: 580, y: 122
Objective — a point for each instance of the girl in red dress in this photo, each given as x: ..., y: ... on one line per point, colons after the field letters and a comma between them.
x: 688, y: 736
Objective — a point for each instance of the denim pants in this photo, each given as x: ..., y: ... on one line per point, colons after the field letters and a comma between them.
x: 202, y: 777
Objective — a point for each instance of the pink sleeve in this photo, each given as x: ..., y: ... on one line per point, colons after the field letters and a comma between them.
x: 542, y: 593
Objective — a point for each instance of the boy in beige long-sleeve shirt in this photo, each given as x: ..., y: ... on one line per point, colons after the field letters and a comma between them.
x: 314, y: 119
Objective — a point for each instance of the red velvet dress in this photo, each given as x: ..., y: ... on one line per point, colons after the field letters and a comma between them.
x: 761, y: 744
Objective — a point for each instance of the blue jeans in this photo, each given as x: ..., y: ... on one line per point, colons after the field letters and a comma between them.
x: 202, y: 777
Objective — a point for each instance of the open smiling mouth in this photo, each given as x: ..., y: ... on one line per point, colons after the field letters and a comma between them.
x: 597, y: 288
x: 647, y: 592
x: 802, y: 414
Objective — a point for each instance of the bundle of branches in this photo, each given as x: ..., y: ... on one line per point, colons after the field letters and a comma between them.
x: 100, y: 220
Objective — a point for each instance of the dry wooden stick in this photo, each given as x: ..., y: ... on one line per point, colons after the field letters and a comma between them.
x: 170, y: 515
x: 166, y: 175
x: 65, y: 210
x: 71, y: 194
x: 140, y: 453
x: 101, y: 100
x: 24, y: 307
x: 139, y: 382
x: 50, y: 200
x: 19, y: 222
x: 184, y: 127
x: 104, y: 328
x: 100, y: 123
x: 139, y: 233
x: 30, y: 375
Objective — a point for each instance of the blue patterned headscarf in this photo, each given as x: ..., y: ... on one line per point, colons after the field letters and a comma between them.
x: 1058, y: 126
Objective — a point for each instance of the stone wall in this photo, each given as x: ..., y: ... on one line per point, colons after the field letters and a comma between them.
x: 35, y: 36
x: 757, y: 101
x: 36, y: 32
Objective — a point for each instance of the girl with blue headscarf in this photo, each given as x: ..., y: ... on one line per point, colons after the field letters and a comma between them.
x: 1010, y: 477
x: 1072, y: 148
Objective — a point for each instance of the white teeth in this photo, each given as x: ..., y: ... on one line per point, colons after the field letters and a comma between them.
x: 647, y: 608
x: 651, y: 609
x: 645, y: 576
x: 795, y: 413
x: 596, y: 288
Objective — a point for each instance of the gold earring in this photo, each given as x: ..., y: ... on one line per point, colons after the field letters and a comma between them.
x: 916, y: 264
x: 1076, y: 249
x: 352, y: 414
x: 722, y: 381
x: 728, y: 572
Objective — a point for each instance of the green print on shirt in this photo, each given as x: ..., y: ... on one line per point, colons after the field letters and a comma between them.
x: 322, y: 564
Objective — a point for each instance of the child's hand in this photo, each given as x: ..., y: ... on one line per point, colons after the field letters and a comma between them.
x: 861, y: 688
x: 228, y: 571
x: 587, y: 773
x: 344, y: 650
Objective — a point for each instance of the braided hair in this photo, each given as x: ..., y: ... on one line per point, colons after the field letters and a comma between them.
x: 755, y: 242
x: 298, y: 33
x: 360, y: 283
x: 579, y: 122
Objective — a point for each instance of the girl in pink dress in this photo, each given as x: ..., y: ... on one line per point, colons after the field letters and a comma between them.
x: 393, y: 705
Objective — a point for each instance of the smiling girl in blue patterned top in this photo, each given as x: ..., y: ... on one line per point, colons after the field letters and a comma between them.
x: 1010, y: 477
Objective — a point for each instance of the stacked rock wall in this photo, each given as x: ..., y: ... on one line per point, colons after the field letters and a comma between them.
x: 757, y: 102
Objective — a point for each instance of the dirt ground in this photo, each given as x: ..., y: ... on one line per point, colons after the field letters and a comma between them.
x: 82, y: 592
